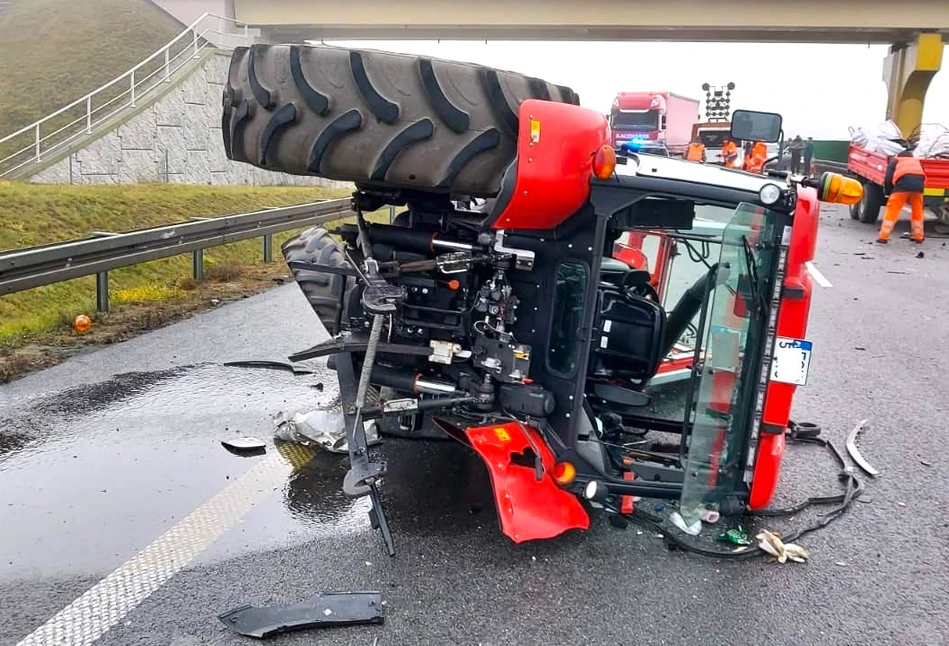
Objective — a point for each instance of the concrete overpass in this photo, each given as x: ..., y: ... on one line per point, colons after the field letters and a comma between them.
x: 843, y: 21
x: 915, y: 29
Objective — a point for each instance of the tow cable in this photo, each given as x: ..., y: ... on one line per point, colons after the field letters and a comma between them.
x: 800, y: 433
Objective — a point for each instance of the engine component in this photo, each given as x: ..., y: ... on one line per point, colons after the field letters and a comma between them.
x: 530, y: 400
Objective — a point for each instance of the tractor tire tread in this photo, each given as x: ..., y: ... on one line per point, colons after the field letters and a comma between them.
x: 322, y: 289
x: 376, y: 119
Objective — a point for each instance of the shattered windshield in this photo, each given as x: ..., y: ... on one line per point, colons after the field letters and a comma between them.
x: 728, y: 377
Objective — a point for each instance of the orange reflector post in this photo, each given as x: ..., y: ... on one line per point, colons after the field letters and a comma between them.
x: 839, y: 189
x: 604, y: 162
x: 564, y: 473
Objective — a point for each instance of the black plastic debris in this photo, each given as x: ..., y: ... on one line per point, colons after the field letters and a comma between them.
x: 245, y: 446
x: 270, y: 365
x: 326, y: 610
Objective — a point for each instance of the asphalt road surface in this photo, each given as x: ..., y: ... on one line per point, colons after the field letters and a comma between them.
x: 124, y: 521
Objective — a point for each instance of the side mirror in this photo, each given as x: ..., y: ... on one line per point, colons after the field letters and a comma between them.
x: 662, y: 122
x: 749, y: 125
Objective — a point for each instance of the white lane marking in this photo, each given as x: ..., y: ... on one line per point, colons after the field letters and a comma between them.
x: 107, y: 602
x: 816, y: 275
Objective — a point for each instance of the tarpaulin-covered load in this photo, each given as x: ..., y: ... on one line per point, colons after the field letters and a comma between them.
x: 886, y: 138
x: 933, y: 142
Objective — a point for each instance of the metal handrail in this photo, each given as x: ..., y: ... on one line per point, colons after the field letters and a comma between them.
x: 23, y: 269
x: 209, y: 29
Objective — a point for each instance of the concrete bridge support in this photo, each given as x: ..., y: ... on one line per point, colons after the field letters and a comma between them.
x: 907, y: 72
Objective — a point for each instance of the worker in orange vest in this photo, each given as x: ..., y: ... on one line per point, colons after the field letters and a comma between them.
x: 729, y: 152
x: 696, y: 151
x: 754, y: 162
x: 904, y: 182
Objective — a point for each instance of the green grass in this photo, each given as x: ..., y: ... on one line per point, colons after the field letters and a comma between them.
x: 56, y: 51
x: 35, y: 214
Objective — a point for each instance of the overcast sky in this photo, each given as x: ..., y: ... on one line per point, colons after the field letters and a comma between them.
x: 820, y: 89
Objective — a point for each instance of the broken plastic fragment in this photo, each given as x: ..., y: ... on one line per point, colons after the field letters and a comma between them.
x: 245, y: 446
x: 678, y: 521
x: 736, y: 535
x: 325, y: 610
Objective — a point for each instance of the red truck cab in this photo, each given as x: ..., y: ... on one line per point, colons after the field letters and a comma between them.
x: 653, y: 116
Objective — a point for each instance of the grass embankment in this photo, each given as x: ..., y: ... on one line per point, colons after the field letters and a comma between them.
x: 56, y: 51
x: 35, y: 325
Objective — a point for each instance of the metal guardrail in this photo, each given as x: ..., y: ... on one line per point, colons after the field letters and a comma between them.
x: 24, y: 269
x: 81, y: 117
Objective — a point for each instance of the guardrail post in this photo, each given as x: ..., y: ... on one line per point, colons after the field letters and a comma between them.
x: 391, y: 214
x: 197, y: 264
x: 268, y: 248
x: 37, y: 144
x: 102, y: 291
x: 195, y: 34
x: 88, y: 114
x: 167, y: 66
x: 246, y: 35
x: 132, y: 87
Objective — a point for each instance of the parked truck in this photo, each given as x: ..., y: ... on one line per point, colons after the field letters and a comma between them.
x: 654, y: 116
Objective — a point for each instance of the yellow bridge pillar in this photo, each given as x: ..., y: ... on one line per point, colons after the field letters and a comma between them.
x: 907, y: 72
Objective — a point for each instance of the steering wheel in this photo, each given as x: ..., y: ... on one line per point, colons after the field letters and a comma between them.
x: 636, y: 283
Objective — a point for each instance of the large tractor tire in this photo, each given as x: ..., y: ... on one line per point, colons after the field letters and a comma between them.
x: 376, y: 119
x: 322, y: 290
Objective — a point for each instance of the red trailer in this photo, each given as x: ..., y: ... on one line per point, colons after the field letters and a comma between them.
x: 870, y: 168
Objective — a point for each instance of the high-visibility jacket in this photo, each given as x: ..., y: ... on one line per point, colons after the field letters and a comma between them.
x: 729, y: 151
x: 904, y: 175
x: 696, y: 152
x: 759, y: 155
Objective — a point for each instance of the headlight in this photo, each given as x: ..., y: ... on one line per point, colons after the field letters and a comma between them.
x: 769, y: 194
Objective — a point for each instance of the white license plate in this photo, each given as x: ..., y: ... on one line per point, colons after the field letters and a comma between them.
x: 792, y: 360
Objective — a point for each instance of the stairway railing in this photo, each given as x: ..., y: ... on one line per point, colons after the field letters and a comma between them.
x: 55, y: 131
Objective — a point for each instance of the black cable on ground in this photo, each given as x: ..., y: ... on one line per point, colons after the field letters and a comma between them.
x: 806, y: 434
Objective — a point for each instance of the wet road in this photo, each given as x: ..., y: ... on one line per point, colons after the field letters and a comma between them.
x: 101, y: 456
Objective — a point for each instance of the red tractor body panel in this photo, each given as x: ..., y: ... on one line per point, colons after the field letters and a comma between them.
x: 555, y: 147
x: 791, y: 324
x: 529, y: 508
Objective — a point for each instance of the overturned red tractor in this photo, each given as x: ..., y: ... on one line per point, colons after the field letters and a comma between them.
x: 492, y: 309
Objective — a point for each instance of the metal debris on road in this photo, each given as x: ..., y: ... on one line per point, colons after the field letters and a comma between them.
x: 245, y: 446
x: 855, y: 454
x: 323, y: 428
x: 327, y: 609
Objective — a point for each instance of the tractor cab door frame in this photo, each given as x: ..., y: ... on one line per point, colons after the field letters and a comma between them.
x: 729, y: 390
